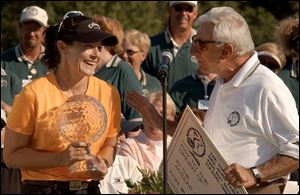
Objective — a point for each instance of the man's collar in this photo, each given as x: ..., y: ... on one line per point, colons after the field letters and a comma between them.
x: 169, y: 38
x: 3, y: 72
x: 21, y: 57
x: 246, y: 70
x: 113, y: 62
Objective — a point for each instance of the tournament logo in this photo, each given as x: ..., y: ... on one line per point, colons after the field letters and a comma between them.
x: 196, y: 142
x: 233, y: 119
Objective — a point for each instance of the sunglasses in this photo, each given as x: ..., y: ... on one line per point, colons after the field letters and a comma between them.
x: 183, y: 7
x: 70, y: 14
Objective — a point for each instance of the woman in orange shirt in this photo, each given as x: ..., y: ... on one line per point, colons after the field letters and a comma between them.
x: 58, y: 102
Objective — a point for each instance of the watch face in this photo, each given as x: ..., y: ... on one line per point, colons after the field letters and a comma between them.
x: 255, y: 171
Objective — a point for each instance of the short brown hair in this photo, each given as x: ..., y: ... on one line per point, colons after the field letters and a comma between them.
x: 114, y: 27
x: 287, y: 34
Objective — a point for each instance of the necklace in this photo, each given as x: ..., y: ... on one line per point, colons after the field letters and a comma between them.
x: 78, y: 88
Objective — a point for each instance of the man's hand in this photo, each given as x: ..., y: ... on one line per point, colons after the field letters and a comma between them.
x: 239, y: 176
x: 148, y: 111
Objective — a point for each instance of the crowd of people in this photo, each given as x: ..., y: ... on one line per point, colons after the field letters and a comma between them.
x: 246, y: 97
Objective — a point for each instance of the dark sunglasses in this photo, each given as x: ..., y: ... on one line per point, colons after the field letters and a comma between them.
x: 70, y: 14
x: 181, y: 7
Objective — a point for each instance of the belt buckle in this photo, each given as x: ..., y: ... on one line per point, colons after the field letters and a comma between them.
x: 75, y: 185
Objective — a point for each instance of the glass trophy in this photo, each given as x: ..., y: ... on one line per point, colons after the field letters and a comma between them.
x: 82, y: 118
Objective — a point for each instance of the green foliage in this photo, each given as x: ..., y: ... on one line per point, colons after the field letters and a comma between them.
x: 148, y: 16
x: 152, y: 182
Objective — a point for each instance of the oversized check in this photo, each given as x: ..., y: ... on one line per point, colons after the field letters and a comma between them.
x: 195, y: 166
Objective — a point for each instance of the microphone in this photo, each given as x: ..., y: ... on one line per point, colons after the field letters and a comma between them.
x: 164, y: 66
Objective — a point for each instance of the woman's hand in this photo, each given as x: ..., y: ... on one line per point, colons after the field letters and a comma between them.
x: 75, y: 152
x: 97, y: 167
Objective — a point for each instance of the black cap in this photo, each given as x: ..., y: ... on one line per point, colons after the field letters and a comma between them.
x: 86, y: 31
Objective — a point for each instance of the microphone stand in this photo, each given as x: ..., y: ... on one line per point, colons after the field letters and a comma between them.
x: 164, y: 84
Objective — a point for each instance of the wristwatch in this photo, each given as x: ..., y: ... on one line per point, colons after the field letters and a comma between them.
x: 256, y: 173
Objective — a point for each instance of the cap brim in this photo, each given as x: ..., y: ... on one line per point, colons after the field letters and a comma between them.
x: 34, y: 20
x: 95, y: 36
x: 184, y: 2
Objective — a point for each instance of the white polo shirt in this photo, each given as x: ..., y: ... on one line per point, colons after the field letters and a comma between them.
x: 253, y: 117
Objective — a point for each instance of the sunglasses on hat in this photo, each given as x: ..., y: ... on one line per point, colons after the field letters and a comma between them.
x: 70, y: 14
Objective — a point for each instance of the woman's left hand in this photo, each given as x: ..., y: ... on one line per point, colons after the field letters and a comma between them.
x: 97, y: 167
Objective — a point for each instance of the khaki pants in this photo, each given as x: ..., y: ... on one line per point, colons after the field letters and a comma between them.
x: 273, y: 188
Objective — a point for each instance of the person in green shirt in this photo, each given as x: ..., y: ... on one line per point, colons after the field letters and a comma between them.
x: 24, y: 59
x: 11, y: 85
x: 136, y: 46
x: 193, y: 90
x: 288, y: 36
x: 176, y: 39
x: 116, y: 71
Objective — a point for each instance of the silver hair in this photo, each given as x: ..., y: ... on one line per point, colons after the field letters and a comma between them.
x: 229, y: 27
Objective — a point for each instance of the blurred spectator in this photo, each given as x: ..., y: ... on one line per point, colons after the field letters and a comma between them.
x: 116, y: 71
x: 147, y: 147
x: 136, y: 46
x: 11, y: 85
x: 288, y: 36
x: 123, y: 167
x: 24, y: 59
x: 176, y: 39
x: 272, y: 56
x: 193, y: 90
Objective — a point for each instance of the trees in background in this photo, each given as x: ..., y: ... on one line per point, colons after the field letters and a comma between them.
x: 148, y: 16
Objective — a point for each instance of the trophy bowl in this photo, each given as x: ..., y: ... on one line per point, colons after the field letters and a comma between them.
x: 81, y: 118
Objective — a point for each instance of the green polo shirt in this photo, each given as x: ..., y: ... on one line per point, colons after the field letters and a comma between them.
x: 190, y: 91
x: 149, y: 83
x: 119, y: 74
x: 288, y: 76
x: 181, y: 65
x: 14, y: 61
x: 11, y: 85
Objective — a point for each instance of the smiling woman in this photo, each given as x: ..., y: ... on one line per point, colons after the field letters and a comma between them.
x: 34, y: 142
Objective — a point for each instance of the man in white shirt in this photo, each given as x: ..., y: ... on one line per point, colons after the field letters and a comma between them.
x: 252, y: 117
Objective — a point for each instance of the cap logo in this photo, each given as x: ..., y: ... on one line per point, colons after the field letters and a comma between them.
x: 33, y: 11
x: 94, y: 25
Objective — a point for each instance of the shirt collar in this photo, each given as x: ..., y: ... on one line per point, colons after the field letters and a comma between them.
x: 21, y: 57
x: 169, y: 38
x: 113, y: 62
x: 247, y: 69
x: 3, y: 72
x: 143, y: 79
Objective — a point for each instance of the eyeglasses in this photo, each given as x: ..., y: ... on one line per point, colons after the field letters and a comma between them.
x: 183, y: 7
x: 70, y: 14
x: 198, y: 43
x: 130, y: 52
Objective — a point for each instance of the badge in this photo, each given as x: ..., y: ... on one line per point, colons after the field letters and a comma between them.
x: 33, y: 71
x: 202, y: 104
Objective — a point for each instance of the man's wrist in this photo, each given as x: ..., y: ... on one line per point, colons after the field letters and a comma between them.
x: 257, y: 174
